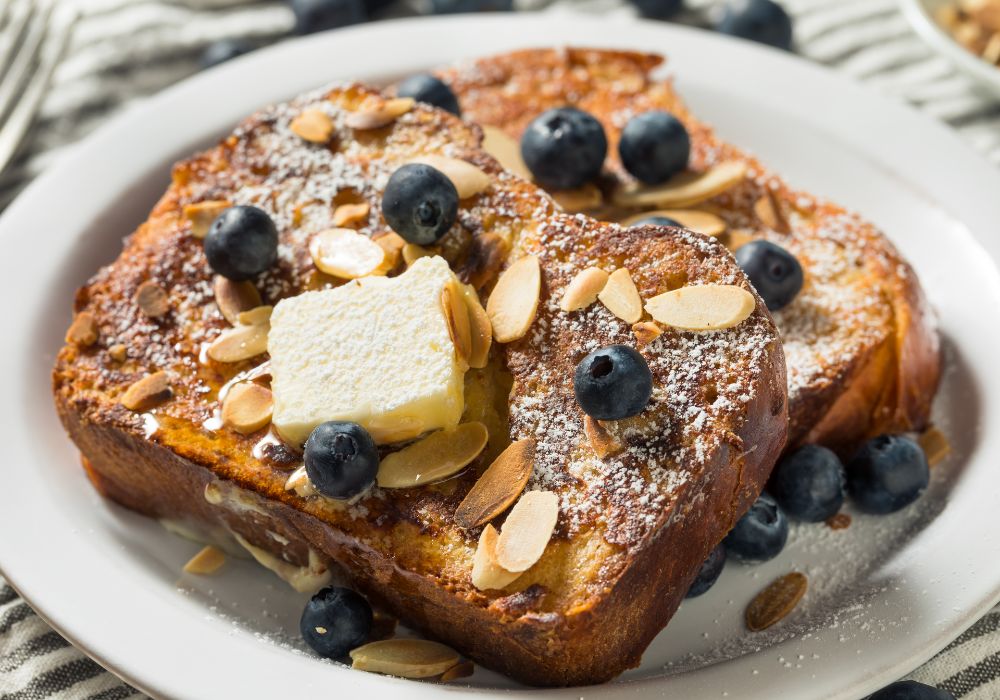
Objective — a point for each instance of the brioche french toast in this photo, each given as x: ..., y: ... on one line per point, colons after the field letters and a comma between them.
x: 139, y: 383
x: 861, y: 351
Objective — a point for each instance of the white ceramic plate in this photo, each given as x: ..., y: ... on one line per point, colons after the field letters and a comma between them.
x: 920, y: 14
x: 884, y: 595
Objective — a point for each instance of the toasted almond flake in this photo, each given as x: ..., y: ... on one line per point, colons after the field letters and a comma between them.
x: 706, y: 307
x: 935, y: 445
x: 350, y: 213
x: 379, y: 114
x: 435, y: 457
x: 499, y: 486
x: 148, y: 392
x: 646, y: 332
x: 839, y: 521
x: 583, y: 289
x: 487, y: 574
x: 118, y: 352
x: 621, y: 297
x: 770, y: 213
x: 461, y: 670
x: 686, y: 189
x: 83, y: 330
x: 703, y: 222
x: 514, y: 302
x: 602, y: 441
x: 392, y: 243
x: 345, y: 253
x: 202, y: 214
x: 413, y: 252
x: 313, y: 125
x: 233, y: 298
x: 468, y: 179
x: 298, y: 481
x: 240, y: 343
x: 506, y: 150
x: 480, y: 329
x: 527, y: 530
x: 579, y: 199
x: 488, y: 253
x: 151, y: 299
x: 775, y: 602
x: 737, y: 238
x: 456, y: 313
x: 258, y: 316
x: 406, y: 658
x: 247, y: 407
x: 206, y: 562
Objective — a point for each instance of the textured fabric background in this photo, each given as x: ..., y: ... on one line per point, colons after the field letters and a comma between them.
x: 124, y: 50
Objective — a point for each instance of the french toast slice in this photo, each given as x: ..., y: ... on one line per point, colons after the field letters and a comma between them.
x: 862, y: 354
x: 633, y: 527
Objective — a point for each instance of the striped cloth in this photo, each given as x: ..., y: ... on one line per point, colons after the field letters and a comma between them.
x: 124, y: 50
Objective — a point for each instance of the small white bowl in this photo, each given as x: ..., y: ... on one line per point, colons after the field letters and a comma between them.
x: 920, y: 14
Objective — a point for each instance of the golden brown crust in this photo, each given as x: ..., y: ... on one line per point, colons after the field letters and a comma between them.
x: 862, y: 354
x: 633, y: 529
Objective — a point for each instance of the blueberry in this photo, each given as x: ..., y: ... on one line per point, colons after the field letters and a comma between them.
x: 313, y: 16
x: 709, y: 573
x: 426, y: 88
x: 773, y: 271
x: 223, y: 50
x: 420, y: 203
x: 761, y: 533
x: 241, y: 243
x: 341, y: 459
x: 657, y: 221
x: 564, y: 148
x: 654, y: 147
x: 809, y: 483
x: 613, y: 383
x: 763, y: 21
x: 334, y: 621
x: 911, y: 690
x: 887, y: 474
x: 658, y: 9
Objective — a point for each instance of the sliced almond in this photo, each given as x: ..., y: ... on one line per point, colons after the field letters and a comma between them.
x: 406, y: 658
x: 621, y: 296
x: 935, y: 445
x: 206, y: 562
x: 350, y: 213
x: 118, y: 352
x: 413, y: 252
x: 83, y: 330
x: 737, y: 238
x: 580, y: 199
x: 379, y: 114
x: 514, y: 302
x: 583, y: 289
x: 506, y: 150
x: 202, y: 214
x: 240, y: 343
x: 707, y: 307
x: 313, y: 125
x: 298, y: 481
x: 686, y: 189
x: 775, y: 602
x: 345, y: 253
x: 152, y: 299
x: 392, y: 243
x: 461, y: 670
x: 435, y: 457
x: 527, y: 530
x: 233, y: 298
x: 456, y: 312
x: 770, y: 213
x: 488, y: 252
x: 480, y: 329
x: 468, y: 179
x: 703, y: 222
x: 487, y: 575
x: 247, y: 408
x: 148, y: 392
x: 646, y: 332
x: 499, y: 486
x: 257, y: 316
x: 602, y: 441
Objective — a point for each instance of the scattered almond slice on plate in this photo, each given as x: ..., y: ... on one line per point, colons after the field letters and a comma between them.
x: 583, y: 289
x: 487, y: 574
x: 707, y: 307
x: 240, y: 343
x: 527, y: 530
x: 206, y: 562
x: 935, y: 445
x: 460, y: 670
x: 247, y: 407
x: 703, y: 222
x: 202, y: 214
x: 432, y: 458
x: 467, y: 178
x: 379, y: 114
x: 506, y: 150
x: 406, y: 658
x: 499, y: 485
x: 773, y: 604
x: 621, y: 296
x: 233, y: 298
x: 514, y: 301
x: 345, y: 253
x: 148, y: 392
x: 686, y: 189
x: 312, y: 125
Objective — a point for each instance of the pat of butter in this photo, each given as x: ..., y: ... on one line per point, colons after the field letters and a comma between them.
x: 376, y: 351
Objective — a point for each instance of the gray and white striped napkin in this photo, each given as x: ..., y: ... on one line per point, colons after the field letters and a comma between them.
x: 124, y: 50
